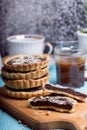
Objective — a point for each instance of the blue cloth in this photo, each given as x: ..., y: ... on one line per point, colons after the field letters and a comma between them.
x: 1, y: 82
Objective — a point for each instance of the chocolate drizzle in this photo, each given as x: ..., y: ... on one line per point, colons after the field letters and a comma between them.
x: 26, y: 60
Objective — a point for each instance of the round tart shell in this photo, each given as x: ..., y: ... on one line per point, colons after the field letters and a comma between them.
x: 27, y: 75
x: 24, y: 95
x: 26, y: 83
x: 26, y: 67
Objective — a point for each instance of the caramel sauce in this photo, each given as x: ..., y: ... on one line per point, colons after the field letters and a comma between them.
x: 70, y: 71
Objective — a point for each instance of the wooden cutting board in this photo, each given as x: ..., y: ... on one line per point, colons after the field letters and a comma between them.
x: 43, y: 119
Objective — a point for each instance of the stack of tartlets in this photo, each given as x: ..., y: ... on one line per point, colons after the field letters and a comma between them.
x: 25, y: 75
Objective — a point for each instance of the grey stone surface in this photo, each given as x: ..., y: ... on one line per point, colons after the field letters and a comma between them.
x: 55, y: 19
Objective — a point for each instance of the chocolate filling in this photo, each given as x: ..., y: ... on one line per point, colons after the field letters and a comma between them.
x: 6, y: 79
x: 55, y: 101
x: 65, y: 89
x: 26, y: 60
x: 10, y: 71
x: 25, y: 90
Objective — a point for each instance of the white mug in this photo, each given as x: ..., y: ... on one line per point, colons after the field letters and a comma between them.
x: 27, y: 44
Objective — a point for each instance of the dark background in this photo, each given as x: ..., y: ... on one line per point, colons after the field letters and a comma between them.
x: 55, y: 19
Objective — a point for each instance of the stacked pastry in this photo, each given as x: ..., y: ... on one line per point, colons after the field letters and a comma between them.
x: 25, y: 75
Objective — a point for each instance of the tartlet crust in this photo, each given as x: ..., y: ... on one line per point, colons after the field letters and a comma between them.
x: 65, y: 91
x: 26, y: 83
x: 24, y: 95
x: 27, y: 75
x: 46, y: 106
x: 26, y: 67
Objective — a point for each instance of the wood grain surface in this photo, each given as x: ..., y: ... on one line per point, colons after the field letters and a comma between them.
x: 44, y: 119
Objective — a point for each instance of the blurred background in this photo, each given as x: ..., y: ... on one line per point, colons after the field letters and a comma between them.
x: 55, y: 19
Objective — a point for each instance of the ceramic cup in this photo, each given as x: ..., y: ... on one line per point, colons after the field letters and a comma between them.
x: 27, y: 44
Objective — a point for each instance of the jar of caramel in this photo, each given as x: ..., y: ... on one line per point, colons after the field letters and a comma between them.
x: 70, y: 64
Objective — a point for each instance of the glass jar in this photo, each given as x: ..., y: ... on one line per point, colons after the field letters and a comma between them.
x: 70, y: 64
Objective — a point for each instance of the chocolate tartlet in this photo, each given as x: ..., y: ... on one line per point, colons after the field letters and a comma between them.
x: 24, y: 75
x: 25, y: 93
x: 57, y: 103
x: 67, y: 91
x: 25, y: 63
x: 26, y: 83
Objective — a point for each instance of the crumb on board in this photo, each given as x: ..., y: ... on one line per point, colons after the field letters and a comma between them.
x: 36, y: 113
x: 48, y: 113
x: 18, y: 104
